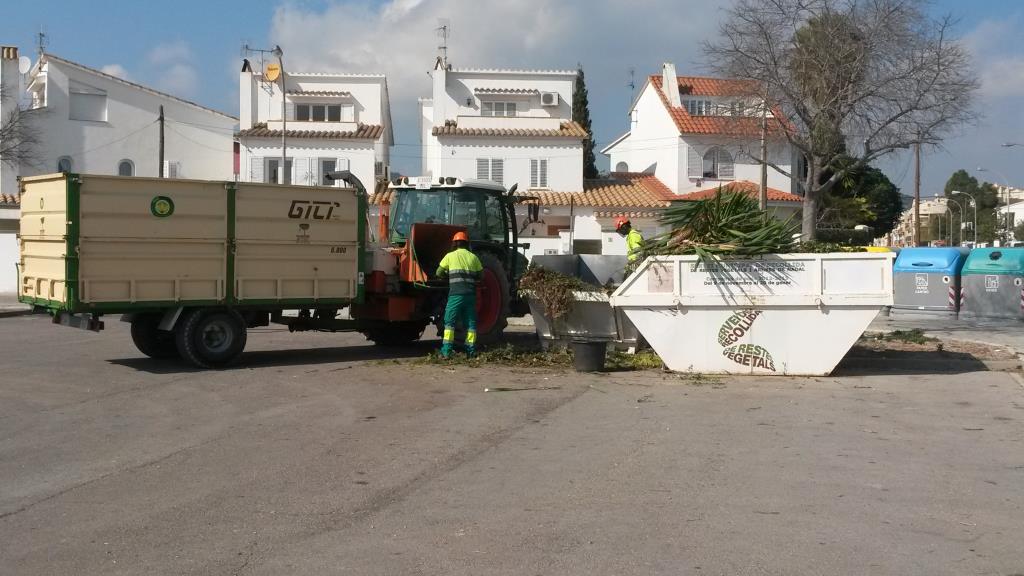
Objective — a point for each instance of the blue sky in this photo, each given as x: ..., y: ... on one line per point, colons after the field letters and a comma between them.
x: 192, y: 49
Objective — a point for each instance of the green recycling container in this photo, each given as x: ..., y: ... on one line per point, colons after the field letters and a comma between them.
x: 992, y: 284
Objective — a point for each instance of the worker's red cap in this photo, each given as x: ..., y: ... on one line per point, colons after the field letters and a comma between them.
x: 621, y: 221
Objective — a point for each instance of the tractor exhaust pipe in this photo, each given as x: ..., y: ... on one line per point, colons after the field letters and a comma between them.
x: 347, y: 177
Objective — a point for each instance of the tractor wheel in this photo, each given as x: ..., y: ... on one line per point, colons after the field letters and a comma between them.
x: 150, y: 339
x: 492, y: 300
x: 393, y: 334
x: 211, y: 338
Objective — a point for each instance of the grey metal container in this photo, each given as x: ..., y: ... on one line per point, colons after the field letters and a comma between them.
x: 926, y: 282
x: 592, y: 318
x: 993, y: 284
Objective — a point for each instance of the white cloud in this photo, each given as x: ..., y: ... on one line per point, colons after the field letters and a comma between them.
x: 173, y: 69
x: 398, y: 38
x: 116, y: 70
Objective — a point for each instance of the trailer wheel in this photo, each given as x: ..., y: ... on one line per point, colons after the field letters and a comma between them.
x: 395, y: 333
x: 211, y: 338
x: 150, y: 339
x: 492, y: 300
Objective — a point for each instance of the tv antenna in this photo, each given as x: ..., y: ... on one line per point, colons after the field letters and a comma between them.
x: 444, y: 31
x: 632, y: 82
x: 42, y: 41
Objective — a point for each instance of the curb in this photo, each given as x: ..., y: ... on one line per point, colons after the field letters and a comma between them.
x: 10, y: 313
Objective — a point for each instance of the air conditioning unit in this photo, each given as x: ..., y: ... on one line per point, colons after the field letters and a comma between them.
x: 549, y: 98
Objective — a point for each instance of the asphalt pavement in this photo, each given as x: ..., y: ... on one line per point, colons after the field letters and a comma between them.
x: 323, y: 455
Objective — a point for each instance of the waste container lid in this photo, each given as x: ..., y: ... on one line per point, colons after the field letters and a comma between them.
x: 943, y: 260
x: 995, y: 261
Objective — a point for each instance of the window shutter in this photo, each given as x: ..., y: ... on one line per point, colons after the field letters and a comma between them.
x: 482, y: 173
x: 170, y: 169
x: 725, y: 165
x: 498, y: 170
x: 543, y: 173
x: 510, y: 109
x: 694, y: 163
x: 256, y: 169
x: 487, y: 108
x: 534, y: 181
x: 289, y: 110
x: 339, y: 165
x: 301, y: 172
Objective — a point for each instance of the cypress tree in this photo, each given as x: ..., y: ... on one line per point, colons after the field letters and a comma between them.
x: 581, y: 115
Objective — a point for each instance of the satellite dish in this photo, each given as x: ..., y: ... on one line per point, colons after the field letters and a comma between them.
x: 24, y: 64
x: 273, y: 72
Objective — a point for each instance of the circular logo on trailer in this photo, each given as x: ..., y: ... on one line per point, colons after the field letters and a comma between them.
x: 945, y: 279
x: 1016, y: 281
x: 161, y: 206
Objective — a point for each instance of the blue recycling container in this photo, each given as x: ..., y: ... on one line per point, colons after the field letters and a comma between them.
x: 926, y: 281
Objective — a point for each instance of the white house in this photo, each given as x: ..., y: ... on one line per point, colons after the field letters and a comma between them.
x: 91, y: 122
x: 84, y: 120
x: 697, y: 133
x: 331, y: 122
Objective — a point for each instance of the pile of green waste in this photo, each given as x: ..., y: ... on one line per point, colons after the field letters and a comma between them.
x: 535, y: 357
x: 727, y: 224
x: 553, y: 289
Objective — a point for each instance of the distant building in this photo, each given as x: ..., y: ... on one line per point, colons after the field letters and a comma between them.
x: 903, y: 234
x: 335, y: 121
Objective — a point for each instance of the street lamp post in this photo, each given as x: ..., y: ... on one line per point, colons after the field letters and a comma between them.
x: 962, y: 216
x: 974, y: 203
x: 1006, y: 185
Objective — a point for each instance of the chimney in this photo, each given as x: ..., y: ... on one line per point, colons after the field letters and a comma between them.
x: 247, y: 95
x: 9, y: 75
x: 670, y: 84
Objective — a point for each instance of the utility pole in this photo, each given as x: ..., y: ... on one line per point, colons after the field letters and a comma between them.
x: 160, y: 161
x: 284, y: 120
x: 763, y: 197
x: 917, y: 193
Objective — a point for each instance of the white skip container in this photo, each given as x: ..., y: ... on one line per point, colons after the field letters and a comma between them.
x: 794, y: 314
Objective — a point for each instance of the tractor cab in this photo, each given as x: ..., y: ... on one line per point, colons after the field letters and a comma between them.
x: 480, y: 207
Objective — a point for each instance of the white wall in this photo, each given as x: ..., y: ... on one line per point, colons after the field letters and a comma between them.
x: 453, y: 88
x: 200, y: 141
x: 653, y: 143
x: 457, y: 157
x: 8, y: 251
x: 745, y: 167
x: 360, y: 154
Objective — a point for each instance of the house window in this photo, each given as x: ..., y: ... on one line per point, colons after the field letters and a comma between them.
x: 89, y: 107
x: 64, y: 164
x: 489, y: 108
x: 271, y: 172
x: 718, y: 164
x: 125, y: 168
x: 699, y: 107
x: 327, y: 165
x: 622, y: 167
x: 539, y: 173
x: 492, y: 169
x: 324, y: 113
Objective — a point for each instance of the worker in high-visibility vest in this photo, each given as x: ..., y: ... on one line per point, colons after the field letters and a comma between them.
x: 633, y: 238
x: 463, y: 270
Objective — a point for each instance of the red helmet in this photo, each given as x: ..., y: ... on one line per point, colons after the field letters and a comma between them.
x: 621, y: 221
x: 460, y: 237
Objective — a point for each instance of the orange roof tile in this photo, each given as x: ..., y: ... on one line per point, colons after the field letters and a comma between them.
x: 363, y: 132
x: 718, y: 125
x: 566, y: 130
x: 746, y: 187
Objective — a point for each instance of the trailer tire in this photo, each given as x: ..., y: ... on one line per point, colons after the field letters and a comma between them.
x: 211, y: 338
x: 492, y: 302
x: 150, y: 339
x: 394, y: 334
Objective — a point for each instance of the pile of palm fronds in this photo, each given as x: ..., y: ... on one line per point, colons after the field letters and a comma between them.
x: 728, y: 224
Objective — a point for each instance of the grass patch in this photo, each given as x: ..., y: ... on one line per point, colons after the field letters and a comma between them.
x: 915, y: 336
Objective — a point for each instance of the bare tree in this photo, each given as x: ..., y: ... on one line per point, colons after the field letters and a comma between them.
x: 847, y: 79
x: 18, y: 138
